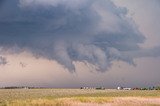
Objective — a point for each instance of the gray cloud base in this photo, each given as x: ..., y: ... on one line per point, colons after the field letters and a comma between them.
x: 93, y: 31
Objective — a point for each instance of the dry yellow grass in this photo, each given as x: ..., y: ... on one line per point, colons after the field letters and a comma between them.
x: 77, y: 97
x: 89, y: 101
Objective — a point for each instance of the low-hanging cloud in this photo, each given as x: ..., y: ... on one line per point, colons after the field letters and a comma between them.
x: 3, y: 60
x: 93, y: 31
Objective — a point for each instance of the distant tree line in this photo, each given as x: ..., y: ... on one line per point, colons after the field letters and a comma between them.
x: 148, y: 88
x: 21, y: 87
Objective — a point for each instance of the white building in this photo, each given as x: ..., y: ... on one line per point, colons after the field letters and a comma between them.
x: 127, y: 88
x: 123, y: 88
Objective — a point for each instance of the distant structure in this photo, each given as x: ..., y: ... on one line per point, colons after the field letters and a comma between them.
x: 94, y: 88
x: 123, y: 88
x: 127, y: 88
x: 100, y: 88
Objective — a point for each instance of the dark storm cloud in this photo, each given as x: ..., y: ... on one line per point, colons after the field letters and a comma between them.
x: 1, y: 2
x: 92, y: 31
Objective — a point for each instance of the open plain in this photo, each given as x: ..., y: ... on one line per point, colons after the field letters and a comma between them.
x: 78, y: 97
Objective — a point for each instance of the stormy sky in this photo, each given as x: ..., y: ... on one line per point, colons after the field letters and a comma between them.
x: 73, y: 43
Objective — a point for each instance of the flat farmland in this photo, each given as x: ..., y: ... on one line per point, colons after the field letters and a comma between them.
x: 78, y: 97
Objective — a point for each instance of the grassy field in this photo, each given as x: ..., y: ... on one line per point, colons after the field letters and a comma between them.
x: 78, y: 97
